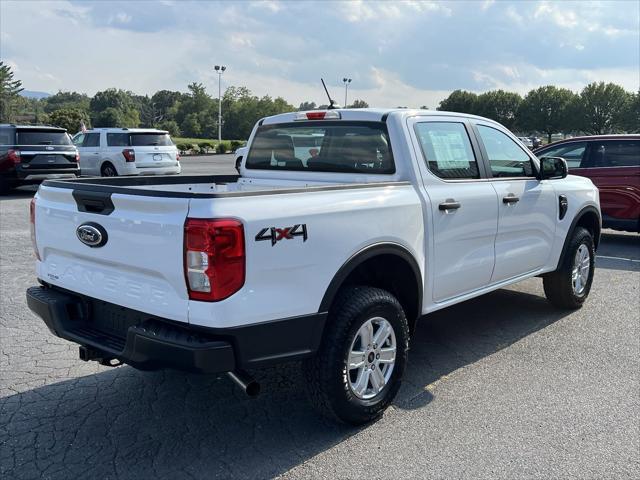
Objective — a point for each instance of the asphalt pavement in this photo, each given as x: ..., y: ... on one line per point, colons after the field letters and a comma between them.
x: 503, y: 386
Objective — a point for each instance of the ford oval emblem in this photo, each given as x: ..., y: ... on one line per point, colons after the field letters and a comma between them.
x: 92, y: 234
x: 49, y: 148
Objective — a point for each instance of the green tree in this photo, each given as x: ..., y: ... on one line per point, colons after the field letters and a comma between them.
x: 601, y: 108
x: 114, y: 108
x: 304, y: 106
x: 191, y: 126
x: 548, y: 110
x: 170, y: 126
x: 359, y: 104
x: 69, y: 118
x: 9, y: 93
x: 631, y: 116
x: 60, y: 100
x: 163, y: 103
x: 500, y: 106
x: 459, y: 101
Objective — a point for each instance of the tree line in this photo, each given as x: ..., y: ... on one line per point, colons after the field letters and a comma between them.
x: 599, y: 108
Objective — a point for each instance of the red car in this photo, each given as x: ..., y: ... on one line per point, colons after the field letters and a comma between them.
x: 612, y: 162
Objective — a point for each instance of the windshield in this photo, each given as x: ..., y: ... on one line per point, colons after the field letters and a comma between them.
x: 42, y: 137
x: 150, y: 140
x: 327, y: 146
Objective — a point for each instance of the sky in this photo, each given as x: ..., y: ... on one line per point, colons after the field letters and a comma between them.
x: 402, y: 53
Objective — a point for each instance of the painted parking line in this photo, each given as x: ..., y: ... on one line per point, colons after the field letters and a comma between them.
x: 618, y: 258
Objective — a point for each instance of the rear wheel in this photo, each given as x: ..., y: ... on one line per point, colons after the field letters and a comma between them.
x: 358, y: 369
x: 108, y: 170
x: 569, y: 285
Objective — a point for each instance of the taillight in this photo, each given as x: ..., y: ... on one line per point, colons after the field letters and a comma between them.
x: 129, y: 154
x: 177, y: 157
x: 14, y: 156
x: 318, y: 115
x: 214, y: 258
x: 32, y: 225
x: 77, y: 158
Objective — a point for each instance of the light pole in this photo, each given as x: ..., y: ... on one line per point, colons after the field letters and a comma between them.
x: 219, y: 70
x: 346, y: 81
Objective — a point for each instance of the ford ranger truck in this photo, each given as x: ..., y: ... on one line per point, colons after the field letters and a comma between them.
x: 342, y: 230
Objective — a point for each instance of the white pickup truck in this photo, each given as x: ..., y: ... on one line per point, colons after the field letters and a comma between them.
x: 343, y: 229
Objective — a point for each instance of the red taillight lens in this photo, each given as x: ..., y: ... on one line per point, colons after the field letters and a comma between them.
x: 214, y: 258
x: 13, y: 156
x: 316, y: 115
x: 77, y: 158
x: 129, y: 154
x: 32, y: 225
x: 177, y: 157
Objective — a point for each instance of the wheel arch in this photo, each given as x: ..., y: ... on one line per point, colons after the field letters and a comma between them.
x: 589, y: 217
x: 389, y: 266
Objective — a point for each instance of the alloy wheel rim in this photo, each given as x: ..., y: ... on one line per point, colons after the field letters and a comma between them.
x: 372, y: 357
x: 581, y: 268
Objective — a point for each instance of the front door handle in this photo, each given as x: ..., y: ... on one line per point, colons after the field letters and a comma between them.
x: 449, y: 204
x: 511, y: 198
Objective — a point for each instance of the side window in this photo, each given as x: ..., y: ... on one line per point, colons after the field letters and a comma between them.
x: 91, y: 140
x: 78, y: 139
x: 615, y: 153
x: 447, y: 149
x: 7, y: 136
x: 118, y: 139
x: 572, y: 153
x: 506, y: 157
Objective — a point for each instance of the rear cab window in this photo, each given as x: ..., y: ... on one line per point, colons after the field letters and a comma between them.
x: 447, y: 150
x: 324, y: 146
x: 33, y: 137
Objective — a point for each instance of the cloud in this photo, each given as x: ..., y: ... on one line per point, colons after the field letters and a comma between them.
x: 398, y: 53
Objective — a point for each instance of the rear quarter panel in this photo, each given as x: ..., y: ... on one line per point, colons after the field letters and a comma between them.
x: 289, y: 278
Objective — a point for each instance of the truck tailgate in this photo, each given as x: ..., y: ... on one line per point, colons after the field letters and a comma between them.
x: 141, y: 264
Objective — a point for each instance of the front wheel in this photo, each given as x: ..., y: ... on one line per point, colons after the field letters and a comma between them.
x: 358, y: 369
x: 569, y: 286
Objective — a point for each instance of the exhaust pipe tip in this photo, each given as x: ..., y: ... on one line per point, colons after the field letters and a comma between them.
x: 246, y: 382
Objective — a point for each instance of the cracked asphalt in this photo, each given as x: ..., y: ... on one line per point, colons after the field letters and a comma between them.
x: 503, y: 386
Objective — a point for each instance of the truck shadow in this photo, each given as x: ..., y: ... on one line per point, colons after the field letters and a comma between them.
x: 123, y: 423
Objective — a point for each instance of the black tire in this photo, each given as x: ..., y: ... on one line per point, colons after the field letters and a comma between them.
x: 5, y: 186
x: 327, y: 373
x: 108, y: 170
x: 558, y: 285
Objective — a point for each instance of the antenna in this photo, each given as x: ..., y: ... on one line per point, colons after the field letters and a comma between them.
x: 332, y: 105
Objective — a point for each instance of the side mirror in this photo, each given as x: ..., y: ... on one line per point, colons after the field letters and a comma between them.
x: 552, y: 167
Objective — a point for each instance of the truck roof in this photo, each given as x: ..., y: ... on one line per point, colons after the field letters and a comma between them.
x: 372, y: 114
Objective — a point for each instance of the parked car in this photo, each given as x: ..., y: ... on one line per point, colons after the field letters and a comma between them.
x: 110, y: 152
x: 331, y: 261
x: 527, y: 142
x: 32, y: 153
x: 612, y: 162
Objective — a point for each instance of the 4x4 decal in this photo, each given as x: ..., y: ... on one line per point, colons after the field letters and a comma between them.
x: 276, y: 234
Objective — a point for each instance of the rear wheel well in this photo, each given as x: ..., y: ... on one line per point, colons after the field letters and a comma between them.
x: 392, y: 273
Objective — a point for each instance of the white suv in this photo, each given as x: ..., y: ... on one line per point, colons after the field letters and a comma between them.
x: 110, y: 152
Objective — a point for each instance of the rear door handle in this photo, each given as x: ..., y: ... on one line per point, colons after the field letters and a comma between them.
x: 511, y: 198
x: 450, y: 204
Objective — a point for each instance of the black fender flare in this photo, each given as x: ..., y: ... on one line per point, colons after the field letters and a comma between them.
x: 572, y: 227
x: 371, y: 251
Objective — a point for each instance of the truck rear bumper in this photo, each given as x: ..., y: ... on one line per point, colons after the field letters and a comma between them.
x: 148, y: 343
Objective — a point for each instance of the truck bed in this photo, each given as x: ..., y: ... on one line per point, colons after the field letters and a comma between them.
x: 203, y: 186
